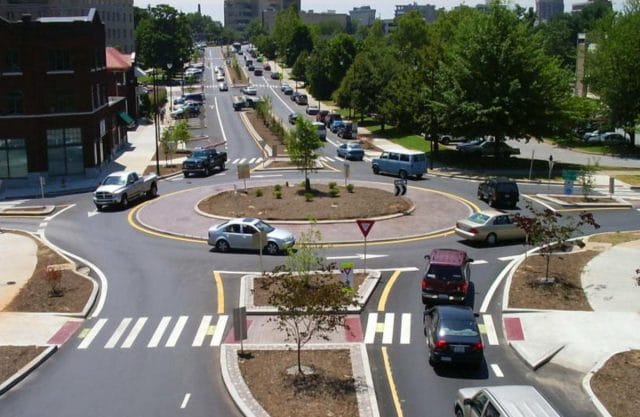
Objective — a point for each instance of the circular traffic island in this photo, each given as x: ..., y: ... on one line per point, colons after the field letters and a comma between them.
x: 324, y: 202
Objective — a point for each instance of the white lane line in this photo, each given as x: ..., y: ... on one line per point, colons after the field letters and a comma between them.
x: 494, y: 286
x: 40, y: 232
x: 216, y: 339
x: 113, y: 340
x: 135, y: 330
x: 224, y: 136
x: 405, y: 329
x: 235, y: 161
x: 43, y: 224
x: 492, y: 337
x: 281, y: 100
x: 259, y: 160
x: 372, y: 323
x: 479, y: 262
x: 496, y: 370
x: 177, y: 330
x: 92, y: 334
x: 387, y: 333
x: 202, y: 331
x: 242, y: 160
x: 537, y: 200
x: 508, y: 258
x: 401, y: 269
x: 252, y: 160
x: 157, y: 335
x: 185, y: 400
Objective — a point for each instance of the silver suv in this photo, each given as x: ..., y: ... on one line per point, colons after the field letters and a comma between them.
x: 502, y: 401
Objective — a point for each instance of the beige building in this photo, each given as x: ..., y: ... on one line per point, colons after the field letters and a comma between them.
x: 238, y: 13
x: 116, y: 15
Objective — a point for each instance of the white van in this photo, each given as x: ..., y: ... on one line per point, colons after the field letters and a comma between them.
x: 502, y: 401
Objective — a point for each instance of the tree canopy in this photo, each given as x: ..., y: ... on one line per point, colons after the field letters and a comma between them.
x: 163, y: 36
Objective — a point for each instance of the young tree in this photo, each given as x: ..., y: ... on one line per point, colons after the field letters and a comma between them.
x: 302, y: 144
x: 587, y: 180
x: 549, y: 230
x: 311, y: 302
x: 181, y: 132
x: 168, y: 143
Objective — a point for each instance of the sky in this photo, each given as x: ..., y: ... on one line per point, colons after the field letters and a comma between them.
x: 384, y: 8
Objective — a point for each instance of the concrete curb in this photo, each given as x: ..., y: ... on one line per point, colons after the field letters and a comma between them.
x: 482, y: 177
x: 249, y: 406
x: 586, y: 385
x: 551, y: 198
x: 27, y: 369
x: 364, y: 293
x: 547, y: 354
x: 27, y: 211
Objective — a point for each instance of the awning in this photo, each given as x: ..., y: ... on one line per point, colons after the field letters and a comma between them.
x: 128, y: 120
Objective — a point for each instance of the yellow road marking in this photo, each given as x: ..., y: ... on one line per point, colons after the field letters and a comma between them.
x: 220, y: 290
x: 387, y: 290
x: 392, y: 385
x: 132, y: 223
x: 83, y: 333
x: 211, y: 330
x: 379, y: 327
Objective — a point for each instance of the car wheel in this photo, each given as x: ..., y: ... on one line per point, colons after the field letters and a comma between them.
x: 459, y: 413
x: 186, y: 174
x: 432, y: 361
x: 98, y: 208
x: 491, y: 239
x: 153, y: 191
x: 206, y: 172
x: 376, y: 169
x: 124, y: 202
x: 403, y: 174
x: 444, y: 140
x: 272, y: 249
x: 222, y: 246
x: 418, y: 176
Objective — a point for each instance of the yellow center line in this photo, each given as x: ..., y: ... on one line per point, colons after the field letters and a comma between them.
x: 387, y: 290
x: 220, y: 290
x: 392, y: 385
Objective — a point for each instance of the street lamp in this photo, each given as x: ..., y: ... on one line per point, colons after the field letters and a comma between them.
x: 156, y: 119
x: 169, y: 66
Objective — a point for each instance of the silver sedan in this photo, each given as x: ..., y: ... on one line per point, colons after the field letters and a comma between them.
x: 249, y: 234
x: 489, y: 226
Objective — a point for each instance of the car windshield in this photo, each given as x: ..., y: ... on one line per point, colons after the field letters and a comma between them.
x: 264, y: 227
x: 479, y: 218
x: 457, y: 327
x: 444, y: 272
x: 507, y: 188
x: 199, y: 154
x: 114, y: 180
x: 355, y: 146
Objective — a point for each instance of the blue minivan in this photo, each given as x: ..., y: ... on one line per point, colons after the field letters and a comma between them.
x: 403, y: 163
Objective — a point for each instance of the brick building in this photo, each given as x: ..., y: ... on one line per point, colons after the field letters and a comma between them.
x: 56, y: 118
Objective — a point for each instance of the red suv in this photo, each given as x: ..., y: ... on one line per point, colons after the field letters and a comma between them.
x: 447, y: 277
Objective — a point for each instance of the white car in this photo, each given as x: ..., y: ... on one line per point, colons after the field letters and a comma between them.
x: 250, y: 90
x: 223, y: 86
x: 220, y: 77
x: 243, y: 233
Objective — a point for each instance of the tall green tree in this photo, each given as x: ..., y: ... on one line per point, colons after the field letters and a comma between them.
x: 328, y: 64
x: 302, y: 144
x: 203, y: 28
x: 614, y: 67
x: 163, y: 37
x: 497, y: 80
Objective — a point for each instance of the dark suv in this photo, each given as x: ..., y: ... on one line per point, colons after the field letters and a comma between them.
x: 447, y: 277
x: 203, y: 161
x: 499, y: 192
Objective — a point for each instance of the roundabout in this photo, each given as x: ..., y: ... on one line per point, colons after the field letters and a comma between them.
x: 434, y: 214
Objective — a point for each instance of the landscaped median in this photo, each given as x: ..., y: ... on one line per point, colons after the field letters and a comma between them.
x: 580, y: 313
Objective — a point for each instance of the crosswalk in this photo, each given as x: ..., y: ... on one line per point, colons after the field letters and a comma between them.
x: 149, y: 333
x: 10, y: 204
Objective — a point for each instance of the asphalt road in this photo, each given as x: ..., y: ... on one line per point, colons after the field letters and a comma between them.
x: 157, y: 278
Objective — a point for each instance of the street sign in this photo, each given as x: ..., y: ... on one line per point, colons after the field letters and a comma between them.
x: 568, y: 187
x: 240, y: 323
x: 569, y: 174
x: 365, y: 226
x: 401, y: 187
x: 243, y: 171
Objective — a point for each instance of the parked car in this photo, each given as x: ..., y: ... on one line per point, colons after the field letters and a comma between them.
x: 223, y: 86
x: 612, y: 138
x: 293, y: 117
x: 351, y: 151
x: 313, y: 110
x: 302, y: 99
x: 594, y: 134
x: 502, y: 401
x: 267, y: 67
x: 287, y: 90
x: 499, y: 192
x: 488, y: 148
x: 330, y: 118
x: 257, y: 71
x: 249, y: 90
x: 470, y: 142
x: 275, y: 76
x: 490, y: 227
x: 402, y: 162
x: 453, y: 336
x: 321, y: 130
x: 448, y: 139
x: 241, y: 233
x: 321, y: 116
x: 294, y: 96
x: 284, y: 85
x: 348, y: 130
x: 185, y: 112
x: 199, y: 97
x: 447, y: 277
x: 336, y: 125
x: 203, y: 161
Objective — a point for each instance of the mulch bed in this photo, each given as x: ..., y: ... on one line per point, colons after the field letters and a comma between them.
x: 35, y: 295
x: 261, y: 294
x: 616, y: 384
x: 331, y: 391
x: 564, y: 294
x: 580, y: 199
x: 362, y: 203
x: 13, y: 358
x: 263, y: 131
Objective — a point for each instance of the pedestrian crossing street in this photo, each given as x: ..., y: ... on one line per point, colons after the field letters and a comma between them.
x: 149, y: 333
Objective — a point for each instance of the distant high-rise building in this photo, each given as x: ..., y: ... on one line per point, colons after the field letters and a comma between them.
x: 116, y: 15
x: 238, y: 13
x: 577, y: 7
x: 546, y: 9
x: 428, y: 11
x: 363, y: 15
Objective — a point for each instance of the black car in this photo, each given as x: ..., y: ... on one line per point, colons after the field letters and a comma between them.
x: 294, y: 96
x: 203, y: 161
x: 499, y: 192
x: 453, y: 336
x: 302, y: 99
x: 293, y: 117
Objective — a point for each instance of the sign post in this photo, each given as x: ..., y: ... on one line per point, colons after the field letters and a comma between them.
x: 258, y: 240
x: 550, y: 170
x: 365, y: 227
x: 243, y: 173
x: 347, y: 172
x: 42, y: 183
x: 240, y: 326
x: 400, y: 186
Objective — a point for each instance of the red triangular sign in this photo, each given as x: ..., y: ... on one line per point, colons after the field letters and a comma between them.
x: 365, y: 226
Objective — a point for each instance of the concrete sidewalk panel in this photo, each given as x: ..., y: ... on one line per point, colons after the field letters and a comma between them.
x: 26, y: 329
x: 535, y: 354
x: 18, y: 257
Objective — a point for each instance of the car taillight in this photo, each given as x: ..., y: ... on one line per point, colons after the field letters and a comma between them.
x: 477, y: 346
x: 425, y: 284
x: 440, y: 344
x: 473, y: 230
x: 463, y: 287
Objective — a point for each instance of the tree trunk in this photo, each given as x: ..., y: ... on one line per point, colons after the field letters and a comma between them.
x: 307, y: 184
x: 546, y: 273
x: 299, y: 358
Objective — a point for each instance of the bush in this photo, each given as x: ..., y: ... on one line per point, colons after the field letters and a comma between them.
x: 334, y: 192
x: 259, y: 192
x: 277, y: 194
x: 333, y: 185
x: 277, y: 187
x: 350, y: 188
x: 309, y: 196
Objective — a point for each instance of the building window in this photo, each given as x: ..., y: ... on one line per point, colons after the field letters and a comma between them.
x: 59, y: 60
x: 99, y: 58
x: 13, y: 158
x: 64, y: 151
x: 12, y: 61
x: 13, y: 103
x: 61, y: 101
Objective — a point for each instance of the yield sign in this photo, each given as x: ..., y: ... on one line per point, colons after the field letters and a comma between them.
x: 365, y: 226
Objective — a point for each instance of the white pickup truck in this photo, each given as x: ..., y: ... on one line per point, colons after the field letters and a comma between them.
x: 118, y: 188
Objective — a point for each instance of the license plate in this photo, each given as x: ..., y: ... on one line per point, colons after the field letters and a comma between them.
x: 443, y: 296
x: 458, y: 349
x: 445, y: 359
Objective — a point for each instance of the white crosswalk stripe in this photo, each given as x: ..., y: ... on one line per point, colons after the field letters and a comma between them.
x: 386, y: 327
x: 130, y: 329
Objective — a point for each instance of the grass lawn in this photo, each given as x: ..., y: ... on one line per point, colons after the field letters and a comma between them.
x: 597, y: 148
x: 630, y: 179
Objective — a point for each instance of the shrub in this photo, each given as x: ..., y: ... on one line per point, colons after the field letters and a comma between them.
x: 333, y: 184
x: 334, y: 192
x: 309, y: 196
x: 259, y: 192
x: 350, y: 188
x: 277, y: 187
x: 277, y: 194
